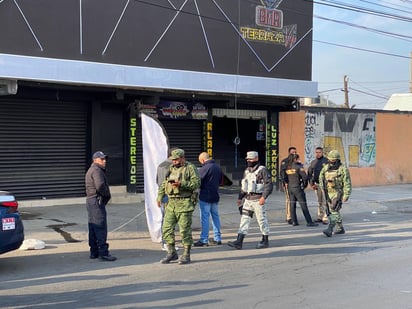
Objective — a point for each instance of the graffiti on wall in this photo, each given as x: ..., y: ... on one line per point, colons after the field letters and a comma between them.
x: 352, y: 134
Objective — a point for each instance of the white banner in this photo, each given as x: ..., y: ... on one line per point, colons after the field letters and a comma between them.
x: 154, y: 152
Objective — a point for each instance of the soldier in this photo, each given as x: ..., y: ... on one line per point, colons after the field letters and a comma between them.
x: 334, y: 179
x: 296, y: 180
x: 291, y: 150
x: 181, y: 186
x: 313, y: 174
x: 256, y: 186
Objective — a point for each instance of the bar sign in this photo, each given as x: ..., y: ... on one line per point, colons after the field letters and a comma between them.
x: 271, y: 18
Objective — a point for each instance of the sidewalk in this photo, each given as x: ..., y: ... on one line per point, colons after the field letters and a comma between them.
x: 68, y: 223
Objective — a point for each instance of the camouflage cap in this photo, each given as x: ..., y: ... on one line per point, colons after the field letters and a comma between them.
x: 333, y: 155
x: 177, y: 153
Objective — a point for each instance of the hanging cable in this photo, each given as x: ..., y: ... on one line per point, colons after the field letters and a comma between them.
x: 236, y: 141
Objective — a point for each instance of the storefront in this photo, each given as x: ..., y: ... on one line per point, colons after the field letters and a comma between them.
x: 216, y: 75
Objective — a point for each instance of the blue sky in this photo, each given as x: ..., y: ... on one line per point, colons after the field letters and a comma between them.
x: 368, y: 72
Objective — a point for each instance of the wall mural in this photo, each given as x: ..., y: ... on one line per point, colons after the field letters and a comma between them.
x: 352, y: 134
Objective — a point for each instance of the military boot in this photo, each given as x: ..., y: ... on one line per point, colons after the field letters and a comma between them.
x: 329, y: 231
x: 264, y: 243
x: 339, y: 228
x: 238, y: 243
x: 171, y: 255
x: 185, y: 258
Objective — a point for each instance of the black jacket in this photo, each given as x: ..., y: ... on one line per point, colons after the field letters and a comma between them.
x: 96, y: 182
x: 210, y: 175
x: 314, y: 169
x: 295, y: 176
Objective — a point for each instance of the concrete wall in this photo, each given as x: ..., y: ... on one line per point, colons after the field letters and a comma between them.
x: 392, y: 136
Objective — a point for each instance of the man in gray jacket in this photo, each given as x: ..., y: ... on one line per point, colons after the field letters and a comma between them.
x: 98, y: 195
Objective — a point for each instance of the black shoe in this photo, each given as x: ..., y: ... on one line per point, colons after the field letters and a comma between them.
x: 94, y: 256
x: 340, y: 231
x: 295, y: 224
x: 318, y: 220
x: 184, y: 260
x: 312, y: 224
x: 325, y: 222
x: 200, y: 244
x: 213, y: 242
x: 169, y: 257
x: 289, y: 221
x: 108, y: 258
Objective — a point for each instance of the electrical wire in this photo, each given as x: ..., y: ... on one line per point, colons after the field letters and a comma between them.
x: 363, y: 49
x: 359, y: 9
x: 337, y: 5
x: 391, y: 34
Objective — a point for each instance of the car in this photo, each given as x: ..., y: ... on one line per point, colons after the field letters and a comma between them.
x: 11, y: 229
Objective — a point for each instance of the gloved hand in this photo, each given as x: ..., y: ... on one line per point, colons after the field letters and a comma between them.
x: 240, y: 209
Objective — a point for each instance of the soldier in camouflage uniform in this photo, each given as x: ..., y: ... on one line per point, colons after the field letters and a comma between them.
x: 181, y: 186
x: 334, y: 179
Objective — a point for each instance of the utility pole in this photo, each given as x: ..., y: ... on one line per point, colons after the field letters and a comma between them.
x: 345, y: 89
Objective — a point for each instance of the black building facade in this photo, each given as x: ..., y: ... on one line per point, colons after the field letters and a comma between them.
x: 75, y: 76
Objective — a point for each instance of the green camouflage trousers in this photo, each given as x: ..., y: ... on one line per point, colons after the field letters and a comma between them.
x: 174, y: 216
x: 335, y: 217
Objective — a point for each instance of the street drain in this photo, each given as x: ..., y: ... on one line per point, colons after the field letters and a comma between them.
x: 58, y: 228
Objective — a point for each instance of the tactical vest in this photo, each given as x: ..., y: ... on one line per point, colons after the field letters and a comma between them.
x: 174, y: 175
x: 332, y: 181
x: 249, y: 182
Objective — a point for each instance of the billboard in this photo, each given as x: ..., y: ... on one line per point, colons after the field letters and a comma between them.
x: 267, y: 38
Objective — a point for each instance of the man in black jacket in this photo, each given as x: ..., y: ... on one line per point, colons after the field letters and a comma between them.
x: 98, y: 195
x: 296, y: 180
x: 313, y: 173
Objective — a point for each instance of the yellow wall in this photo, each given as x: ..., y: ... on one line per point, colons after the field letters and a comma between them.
x: 393, y: 146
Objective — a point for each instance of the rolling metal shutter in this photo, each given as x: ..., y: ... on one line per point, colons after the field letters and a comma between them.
x: 43, y: 148
x: 186, y: 134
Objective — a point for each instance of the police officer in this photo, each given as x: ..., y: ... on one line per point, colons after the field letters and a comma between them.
x: 334, y: 179
x: 181, y: 186
x: 291, y: 150
x: 313, y: 174
x: 256, y: 186
x: 98, y: 194
x: 296, y: 180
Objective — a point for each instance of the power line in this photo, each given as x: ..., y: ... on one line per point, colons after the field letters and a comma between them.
x: 391, y: 34
x: 386, y: 6
x: 360, y: 9
x: 368, y: 89
x: 370, y: 94
x: 363, y: 49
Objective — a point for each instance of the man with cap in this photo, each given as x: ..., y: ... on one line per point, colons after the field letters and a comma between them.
x: 256, y: 186
x: 181, y: 186
x: 97, y: 196
x: 334, y: 179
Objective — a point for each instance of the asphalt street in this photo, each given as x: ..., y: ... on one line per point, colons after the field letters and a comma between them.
x: 368, y: 266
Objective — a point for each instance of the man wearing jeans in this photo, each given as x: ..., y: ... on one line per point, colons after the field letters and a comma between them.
x: 210, y: 175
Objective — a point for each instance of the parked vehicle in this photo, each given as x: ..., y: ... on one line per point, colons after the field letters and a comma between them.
x: 11, y: 229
